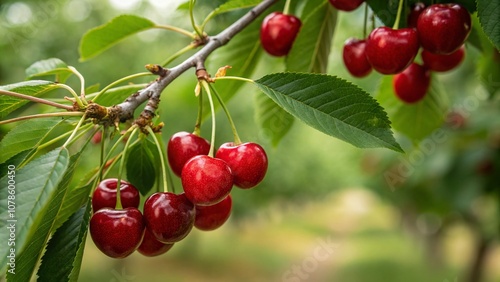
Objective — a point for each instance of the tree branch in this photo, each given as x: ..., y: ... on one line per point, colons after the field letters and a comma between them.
x: 153, y: 91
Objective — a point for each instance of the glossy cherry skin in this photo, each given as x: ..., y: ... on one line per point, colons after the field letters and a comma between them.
x: 443, y: 28
x: 247, y: 161
x: 182, y: 146
x: 169, y: 217
x: 412, y: 84
x: 105, y: 194
x: 354, y: 56
x: 346, y: 5
x: 151, y: 247
x: 206, y: 180
x: 442, y: 63
x: 117, y: 233
x: 390, y: 51
x: 278, y: 32
x: 212, y: 217
x: 416, y: 10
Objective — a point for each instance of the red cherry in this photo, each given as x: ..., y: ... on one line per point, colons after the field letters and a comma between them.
x: 346, y: 5
x: 390, y: 51
x: 247, y: 161
x: 416, y: 10
x: 117, y: 233
x: 278, y: 32
x: 182, y: 146
x: 443, y: 28
x: 169, y: 217
x: 212, y: 217
x: 105, y: 194
x: 442, y: 63
x: 151, y: 247
x: 412, y: 84
x: 354, y: 55
x: 96, y: 139
x: 206, y: 180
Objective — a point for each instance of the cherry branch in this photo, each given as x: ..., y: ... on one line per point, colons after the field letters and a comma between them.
x: 153, y: 91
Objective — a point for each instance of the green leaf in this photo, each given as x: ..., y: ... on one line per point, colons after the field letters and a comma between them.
x: 274, y: 122
x: 74, y: 199
x: 312, y: 46
x: 234, y: 5
x: 98, y: 39
x: 34, y: 88
x: 140, y: 169
x: 38, y: 191
x: 488, y: 12
x: 52, y: 66
x: 333, y: 106
x: 25, y: 136
x: 416, y: 120
x: 63, y: 257
x: 386, y: 11
x: 116, y: 95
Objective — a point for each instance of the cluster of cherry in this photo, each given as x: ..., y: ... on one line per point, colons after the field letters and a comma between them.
x: 440, y: 29
x: 118, y: 229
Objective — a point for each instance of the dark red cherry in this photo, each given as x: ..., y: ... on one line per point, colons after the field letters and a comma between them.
x: 117, y: 233
x: 96, y: 139
x: 169, y: 217
x: 416, y: 10
x: 346, y: 5
x: 443, y: 28
x: 182, y: 146
x: 278, y: 32
x: 390, y: 51
x: 105, y: 194
x: 212, y: 217
x: 354, y: 55
x: 151, y: 247
x: 206, y: 180
x: 442, y: 63
x: 412, y: 84
x: 247, y: 161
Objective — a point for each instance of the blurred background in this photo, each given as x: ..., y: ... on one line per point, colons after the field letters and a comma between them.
x: 326, y: 211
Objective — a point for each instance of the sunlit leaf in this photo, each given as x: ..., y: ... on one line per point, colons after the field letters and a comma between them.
x: 34, y: 88
x: 235, y: 4
x: 52, y: 66
x: 274, y: 121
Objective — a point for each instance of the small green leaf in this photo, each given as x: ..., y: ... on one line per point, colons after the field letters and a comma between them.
x: 234, y: 5
x: 98, y: 39
x: 312, y: 46
x: 25, y: 136
x: 332, y: 106
x: 52, y: 66
x: 34, y: 88
x: 488, y: 12
x: 62, y: 255
x: 38, y: 190
x: 416, y: 120
x: 274, y: 122
x: 386, y: 11
x: 74, y: 199
x: 116, y: 95
x: 140, y: 169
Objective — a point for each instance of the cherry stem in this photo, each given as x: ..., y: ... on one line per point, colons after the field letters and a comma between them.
x: 77, y: 127
x: 123, y: 79
x: 286, y: 9
x: 212, y: 110
x: 161, y: 151
x: 199, y: 118
x: 191, y: 17
x: 398, y: 17
x: 237, y: 139
x: 36, y: 99
x: 73, y: 93
x: 234, y: 78
x: 82, y: 84
x: 120, y: 170
x: 177, y: 29
x: 59, y: 114
x: 365, y: 29
x: 103, y: 138
x: 108, y: 156
x: 179, y: 53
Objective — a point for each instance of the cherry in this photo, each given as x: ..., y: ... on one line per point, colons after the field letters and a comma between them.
x: 169, y: 217
x: 416, y: 10
x: 412, y: 84
x: 346, y: 5
x: 443, y: 28
x: 105, y: 194
x: 354, y: 55
x: 390, y: 51
x: 117, y: 233
x: 247, y: 161
x: 442, y: 63
x: 212, y: 217
x: 278, y: 32
x: 206, y: 180
x: 96, y: 139
x: 182, y: 146
x: 151, y: 247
